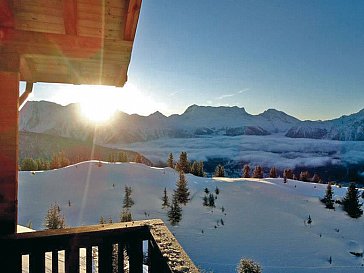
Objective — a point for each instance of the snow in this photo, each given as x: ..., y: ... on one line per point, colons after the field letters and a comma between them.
x: 265, y: 218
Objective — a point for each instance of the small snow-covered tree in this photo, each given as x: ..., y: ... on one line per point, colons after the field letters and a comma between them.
x: 205, y: 201
x: 351, y: 202
x: 54, y: 219
x: 248, y: 266
x: 246, y: 171
x: 211, y: 200
x: 182, y: 193
x: 175, y: 211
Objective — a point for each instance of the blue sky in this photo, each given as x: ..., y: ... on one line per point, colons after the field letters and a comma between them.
x: 302, y: 57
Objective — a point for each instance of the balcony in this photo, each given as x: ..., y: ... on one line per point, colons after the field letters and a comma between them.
x: 134, y: 247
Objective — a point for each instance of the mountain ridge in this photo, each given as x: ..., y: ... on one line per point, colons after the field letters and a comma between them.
x: 66, y: 121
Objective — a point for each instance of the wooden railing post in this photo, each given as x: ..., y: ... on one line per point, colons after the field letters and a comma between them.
x: 135, y: 253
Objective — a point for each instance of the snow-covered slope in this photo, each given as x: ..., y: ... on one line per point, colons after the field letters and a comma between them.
x: 344, y: 128
x: 263, y: 219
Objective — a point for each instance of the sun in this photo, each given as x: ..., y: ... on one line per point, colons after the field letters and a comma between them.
x: 98, y: 105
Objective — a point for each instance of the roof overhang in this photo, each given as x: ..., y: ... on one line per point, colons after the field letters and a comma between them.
x: 68, y: 41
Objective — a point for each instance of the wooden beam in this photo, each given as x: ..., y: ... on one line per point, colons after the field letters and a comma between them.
x: 70, y: 16
x: 9, y: 91
x: 29, y: 42
x: 6, y: 14
x: 132, y: 19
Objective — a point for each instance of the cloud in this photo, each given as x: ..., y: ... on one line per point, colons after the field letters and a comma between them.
x: 225, y: 96
x: 243, y: 90
x: 272, y: 150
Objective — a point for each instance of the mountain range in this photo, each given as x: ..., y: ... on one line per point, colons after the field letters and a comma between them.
x: 66, y: 121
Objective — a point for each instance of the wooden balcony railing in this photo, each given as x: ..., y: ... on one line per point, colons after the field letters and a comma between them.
x: 134, y: 247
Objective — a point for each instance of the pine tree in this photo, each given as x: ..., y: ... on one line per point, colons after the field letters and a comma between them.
x: 165, y: 199
x: 175, y: 211
x: 316, y: 178
x: 287, y: 173
x: 258, y: 172
x: 217, y: 191
x: 305, y: 176
x: 195, y: 168
x: 219, y: 171
x: 183, y: 162
x: 201, y: 172
x: 170, y: 161
x: 182, y: 193
x: 138, y: 159
x: 273, y: 173
x: 246, y: 171
x: 248, y: 266
x: 54, y: 219
x: 211, y: 200
x: 205, y: 201
x: 329, y: 202
x: 102, y: 220
x: 206, y: 191
x: 128, y: 202
x: 125, y: 216
x: 351, y: 202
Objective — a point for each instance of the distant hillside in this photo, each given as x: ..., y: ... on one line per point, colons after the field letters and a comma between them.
x: 36, y: 145
x: 66, y: 121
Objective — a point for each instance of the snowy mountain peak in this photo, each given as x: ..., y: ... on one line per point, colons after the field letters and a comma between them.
x: 157, y: 115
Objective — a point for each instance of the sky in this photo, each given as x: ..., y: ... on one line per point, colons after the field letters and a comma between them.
x: 305, y: 58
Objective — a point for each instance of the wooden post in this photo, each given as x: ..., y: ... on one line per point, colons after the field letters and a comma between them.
x: 9, y: 94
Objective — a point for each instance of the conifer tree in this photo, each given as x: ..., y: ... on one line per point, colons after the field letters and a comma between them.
x: 211, y: 200
x: 54, y: 219
x: 305, y: 176
x: 219, y: 171
x: 248, y: 266
x: 125, y: 216
x: 128, y: 202
x: 165, y: 199
x: 288, y: 174
x: 273, y: 173
x: 246, y: 171
x: 201, y: 172
x: 175, y: 211
x: 329, y: 202
x: 102, y: 220
x: 206, y: 191
x: 351, y: 202
x: 182, y: 193
x: 258, y: 172
x: 316, y: 178
x: 170, y: 161
x: 195, y: 168
x: 217, y: 191
x: 205, y: 201
x: 183, y: 162
x: 138, y: 159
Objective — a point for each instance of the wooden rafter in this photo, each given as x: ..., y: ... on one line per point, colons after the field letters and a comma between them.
x: 70, y: 16
x: 132, y: 19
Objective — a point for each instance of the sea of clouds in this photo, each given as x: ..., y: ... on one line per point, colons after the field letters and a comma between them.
x: 272, y: 150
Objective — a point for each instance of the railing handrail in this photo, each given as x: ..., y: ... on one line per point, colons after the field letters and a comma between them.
x: 165, y: 248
